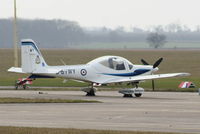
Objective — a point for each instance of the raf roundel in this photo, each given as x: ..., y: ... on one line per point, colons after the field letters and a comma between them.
x: 83, y: 72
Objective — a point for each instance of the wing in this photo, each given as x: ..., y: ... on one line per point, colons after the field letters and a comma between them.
x: 145, y: 77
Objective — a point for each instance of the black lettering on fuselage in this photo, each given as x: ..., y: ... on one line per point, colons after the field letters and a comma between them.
x: 66, y: 72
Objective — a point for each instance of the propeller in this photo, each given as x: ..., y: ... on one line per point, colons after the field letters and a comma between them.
x: 156, y: 64
x: 144, y: 62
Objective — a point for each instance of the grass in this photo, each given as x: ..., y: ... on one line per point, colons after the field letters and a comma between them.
x: 174, y: 61
x: 29, y: 130
x: 135, y: 45
x: 24, y: 100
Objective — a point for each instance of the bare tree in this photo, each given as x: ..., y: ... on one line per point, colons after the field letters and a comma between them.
x: 156, y: 40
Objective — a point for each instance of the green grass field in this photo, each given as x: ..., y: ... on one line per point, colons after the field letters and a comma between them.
x: 174, y: 61
x: 134, y: 45
x: 28, y: 130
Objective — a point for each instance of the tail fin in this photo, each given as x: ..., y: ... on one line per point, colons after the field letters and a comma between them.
x: 32, y: 60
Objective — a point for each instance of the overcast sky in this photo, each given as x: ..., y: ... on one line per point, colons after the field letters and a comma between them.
x: 109, y: 13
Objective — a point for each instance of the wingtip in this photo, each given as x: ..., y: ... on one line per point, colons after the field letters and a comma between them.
x: 185, y: 74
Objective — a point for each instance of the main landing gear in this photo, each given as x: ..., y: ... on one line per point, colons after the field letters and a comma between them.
x: 90, y: 91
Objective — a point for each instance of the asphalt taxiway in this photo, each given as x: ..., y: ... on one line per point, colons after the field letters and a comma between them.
x: 154, y: 111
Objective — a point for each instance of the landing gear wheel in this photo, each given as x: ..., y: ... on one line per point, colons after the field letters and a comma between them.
x: 138, y: 95
x: 24, y: 86
x: 91, y: 93
x: 128, y: 95
x: 16, y: 85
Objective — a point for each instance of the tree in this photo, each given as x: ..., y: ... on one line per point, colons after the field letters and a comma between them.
x: 156, y: 40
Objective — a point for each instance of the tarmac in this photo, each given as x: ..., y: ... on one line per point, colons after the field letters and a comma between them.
x: 154, y: 111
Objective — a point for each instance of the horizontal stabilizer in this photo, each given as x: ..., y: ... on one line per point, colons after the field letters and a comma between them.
x: 15, y: 70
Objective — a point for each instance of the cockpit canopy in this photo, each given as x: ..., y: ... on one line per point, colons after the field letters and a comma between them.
x: 113, y: 62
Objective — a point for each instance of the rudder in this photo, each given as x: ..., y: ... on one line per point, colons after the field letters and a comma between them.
x: 31, y: 57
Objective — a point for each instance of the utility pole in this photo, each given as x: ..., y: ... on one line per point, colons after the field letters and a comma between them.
x: 153, y: 85
x: 15, y: 39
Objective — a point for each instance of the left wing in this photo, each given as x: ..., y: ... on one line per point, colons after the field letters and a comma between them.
x: 145, y: 77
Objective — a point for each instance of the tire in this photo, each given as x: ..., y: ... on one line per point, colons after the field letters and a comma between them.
x: 91, y: 93
x: 138, y: 95
x: 16, y: 85
x: 128, y: 95
x: 24, y: 86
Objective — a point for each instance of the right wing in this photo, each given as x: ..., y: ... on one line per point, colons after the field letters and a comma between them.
x: 145, y: 77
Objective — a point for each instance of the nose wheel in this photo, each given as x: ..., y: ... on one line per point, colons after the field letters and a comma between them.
x: 138, y: 95
x: 128, y: 92
x: 128, y: 95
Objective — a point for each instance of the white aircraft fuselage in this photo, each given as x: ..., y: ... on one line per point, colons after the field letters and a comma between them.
x: 95, y: 72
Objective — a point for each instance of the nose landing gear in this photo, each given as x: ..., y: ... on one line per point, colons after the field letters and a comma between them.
x: 128, y: 92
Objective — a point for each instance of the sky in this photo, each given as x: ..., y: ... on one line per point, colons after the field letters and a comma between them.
x: 108, y: 13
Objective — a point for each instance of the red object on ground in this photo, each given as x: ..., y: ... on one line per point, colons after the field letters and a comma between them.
x: 186, y: 84
x: 24, y: 81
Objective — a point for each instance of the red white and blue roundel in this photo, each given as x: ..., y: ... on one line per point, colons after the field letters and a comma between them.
x: 83, y: 72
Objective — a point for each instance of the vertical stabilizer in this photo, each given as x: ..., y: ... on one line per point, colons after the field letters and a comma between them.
x: 32, y: 60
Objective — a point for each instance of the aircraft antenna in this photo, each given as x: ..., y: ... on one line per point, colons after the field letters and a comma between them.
x: 63, y: 62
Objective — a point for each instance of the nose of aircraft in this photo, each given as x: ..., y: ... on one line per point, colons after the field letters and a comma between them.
x: 155, y: 69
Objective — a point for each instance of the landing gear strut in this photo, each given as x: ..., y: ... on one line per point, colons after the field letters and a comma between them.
x: 137, y: 94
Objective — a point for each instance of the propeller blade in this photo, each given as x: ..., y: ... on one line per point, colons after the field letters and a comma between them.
x: 144, y: 62
x: 157, y: 63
